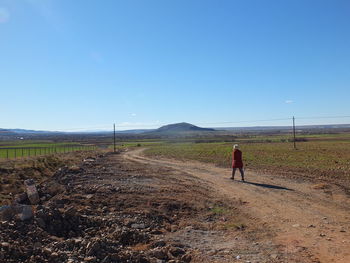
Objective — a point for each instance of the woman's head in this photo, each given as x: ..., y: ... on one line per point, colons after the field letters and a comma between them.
x: 235, y: 146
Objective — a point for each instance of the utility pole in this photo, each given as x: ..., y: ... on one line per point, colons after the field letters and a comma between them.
x: 295, y: 147
x: 114, y: 137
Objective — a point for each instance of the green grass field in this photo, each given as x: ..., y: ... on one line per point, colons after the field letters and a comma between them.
x: 18, y: 149
x: 321, y: 158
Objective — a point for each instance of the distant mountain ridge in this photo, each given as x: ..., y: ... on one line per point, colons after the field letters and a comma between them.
x: 177, y: 129
x: 181, y: 127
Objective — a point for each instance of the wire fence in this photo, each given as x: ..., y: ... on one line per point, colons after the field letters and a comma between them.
x: 19, y: 152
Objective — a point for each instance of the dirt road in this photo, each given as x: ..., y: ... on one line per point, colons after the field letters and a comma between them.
x: 304, y: 216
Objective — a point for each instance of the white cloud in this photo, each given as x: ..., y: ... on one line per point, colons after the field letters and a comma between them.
x: 289, y: 101
x: 4, y: 15
x: 133, y: 114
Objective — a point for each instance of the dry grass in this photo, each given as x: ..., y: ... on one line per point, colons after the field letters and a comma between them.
x: 321, y: 159
x: 14, y: 172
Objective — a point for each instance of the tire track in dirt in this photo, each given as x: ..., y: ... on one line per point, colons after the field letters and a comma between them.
x: 303, y: 218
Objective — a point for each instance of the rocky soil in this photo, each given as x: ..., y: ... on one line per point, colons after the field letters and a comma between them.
x: 110, y: 209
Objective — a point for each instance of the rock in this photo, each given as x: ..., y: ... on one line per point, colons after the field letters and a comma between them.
x: 238, y: 257
x: 47, y: 250
x: 138, y: 226
x: 93, y: 248
x: 322, y: 235
x: 89, y: 160
x: 71, y: 211
x: 41, y: 223
x: 52, y: 189
x: 296, y: 225
x: 37, y: 245
x: 74, y: 169
x: 173, y: 228
x: 156, y: 232
x: 159, y: 243
x: 186, y: 258
x: 159, y: 253
x: 312, y: 226
x: 176, y: 251
x: 21, y: 198
x: 77, y: 240
x: 24, y: 212
x: 5, y: 244
x: 274, y: 256
x: 32, y: 192
x: 189, y: 228
x: 89, y: 259
x: 7, y: 213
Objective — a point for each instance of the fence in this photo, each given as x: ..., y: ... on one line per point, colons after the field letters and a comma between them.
x: 18, y: 152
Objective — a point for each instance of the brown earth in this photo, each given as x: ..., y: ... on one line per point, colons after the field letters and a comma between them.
x: 306, y: 220
x: 117, y: 210
x: 129, y: 208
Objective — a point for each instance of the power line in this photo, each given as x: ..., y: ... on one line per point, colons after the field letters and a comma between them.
x: 233, y: 122
x: 139, y: 126
x: 323, y: 117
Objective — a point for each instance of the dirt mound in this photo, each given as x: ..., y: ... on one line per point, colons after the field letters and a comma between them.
x: 97, y: 212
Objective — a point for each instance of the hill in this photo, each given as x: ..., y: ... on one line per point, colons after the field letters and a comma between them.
x: 182, y: 127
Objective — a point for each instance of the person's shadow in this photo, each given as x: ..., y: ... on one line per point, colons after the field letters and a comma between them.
x: 271, y: 186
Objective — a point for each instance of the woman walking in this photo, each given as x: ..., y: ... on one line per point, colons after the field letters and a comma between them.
x: 237, y: 162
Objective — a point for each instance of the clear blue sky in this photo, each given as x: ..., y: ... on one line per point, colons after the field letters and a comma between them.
x: 66, y: 65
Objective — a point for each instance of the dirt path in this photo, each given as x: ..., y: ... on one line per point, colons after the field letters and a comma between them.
x: 304, y: 218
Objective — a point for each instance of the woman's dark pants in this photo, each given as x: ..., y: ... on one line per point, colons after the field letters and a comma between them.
x: 234, y: 171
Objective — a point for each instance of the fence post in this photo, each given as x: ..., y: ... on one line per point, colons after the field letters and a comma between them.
x: 114, y: 150
x: 7, y: 153
x: 295, y: 147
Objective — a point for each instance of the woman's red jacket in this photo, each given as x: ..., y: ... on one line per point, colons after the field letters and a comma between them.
x: 237, y: 159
